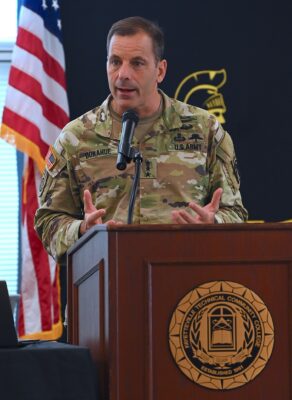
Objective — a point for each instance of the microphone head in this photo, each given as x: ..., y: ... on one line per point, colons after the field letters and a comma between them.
x: 130, y: 114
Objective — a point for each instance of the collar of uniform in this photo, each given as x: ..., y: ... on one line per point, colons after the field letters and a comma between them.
x: 173, y: 111
x: 171, y: 116
x: 103, y: 119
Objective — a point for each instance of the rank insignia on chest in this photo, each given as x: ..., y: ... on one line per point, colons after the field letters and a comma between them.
x: 149, y: 169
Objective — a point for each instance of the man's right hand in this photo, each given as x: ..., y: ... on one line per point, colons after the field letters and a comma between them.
x: 92, y: 216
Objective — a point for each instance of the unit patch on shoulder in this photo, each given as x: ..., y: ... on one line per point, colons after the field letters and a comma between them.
x: 43, y: 182
x: 235, y: 169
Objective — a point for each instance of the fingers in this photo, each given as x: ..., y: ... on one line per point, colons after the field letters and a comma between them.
x: 92, y: 216
x: 88, y: 205
x: 113, y: 223
x: 200, y: 211
x: 204, y: 214
x: 216, y: 199
x: 95, y: 217
x: 91, y: 219
x: 176, y: 218
x: 182, y: 217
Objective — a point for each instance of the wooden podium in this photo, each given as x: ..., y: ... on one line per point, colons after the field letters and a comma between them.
x: 124, y: 287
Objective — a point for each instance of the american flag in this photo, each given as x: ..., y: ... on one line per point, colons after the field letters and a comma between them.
x: 36, y: 109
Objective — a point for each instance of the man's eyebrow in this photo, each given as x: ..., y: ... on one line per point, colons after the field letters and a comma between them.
x: 113, y: 56
x: 138, y: 58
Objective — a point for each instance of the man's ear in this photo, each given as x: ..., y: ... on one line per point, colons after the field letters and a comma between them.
x: 162, y: 67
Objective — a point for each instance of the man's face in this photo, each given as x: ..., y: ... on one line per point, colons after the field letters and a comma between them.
x: 133, y: 74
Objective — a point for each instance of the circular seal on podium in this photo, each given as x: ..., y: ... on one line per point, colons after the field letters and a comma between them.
x: 221, y: 335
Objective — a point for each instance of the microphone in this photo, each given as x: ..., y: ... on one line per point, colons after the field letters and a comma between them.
x: 129, y: 121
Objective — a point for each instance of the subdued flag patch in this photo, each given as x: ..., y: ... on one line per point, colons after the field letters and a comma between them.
x: 51, y: 158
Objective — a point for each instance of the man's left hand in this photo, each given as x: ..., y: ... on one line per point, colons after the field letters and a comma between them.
x: 204, y: 215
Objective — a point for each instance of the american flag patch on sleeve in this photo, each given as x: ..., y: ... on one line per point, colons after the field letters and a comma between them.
x: 51, y: 158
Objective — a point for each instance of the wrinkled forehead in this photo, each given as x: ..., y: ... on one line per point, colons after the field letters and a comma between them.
x: 139, y: 42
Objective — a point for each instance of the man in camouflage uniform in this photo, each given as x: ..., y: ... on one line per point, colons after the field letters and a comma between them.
x: 189, y: 170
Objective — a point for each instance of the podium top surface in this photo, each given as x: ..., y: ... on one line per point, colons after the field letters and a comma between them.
x: 278, y: 226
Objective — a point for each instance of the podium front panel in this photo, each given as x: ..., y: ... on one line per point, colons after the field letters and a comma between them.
x: 144, y: 273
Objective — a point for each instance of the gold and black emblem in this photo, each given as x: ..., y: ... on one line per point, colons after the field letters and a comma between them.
x: 202, y: 88
x: 221, y: 335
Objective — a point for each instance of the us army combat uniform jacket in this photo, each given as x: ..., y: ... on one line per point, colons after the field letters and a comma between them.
x: 186, y: 156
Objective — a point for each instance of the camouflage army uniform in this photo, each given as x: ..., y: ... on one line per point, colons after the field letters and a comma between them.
x: 186, y: 157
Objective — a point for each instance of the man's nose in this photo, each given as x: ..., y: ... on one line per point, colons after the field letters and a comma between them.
x: 124, y: 71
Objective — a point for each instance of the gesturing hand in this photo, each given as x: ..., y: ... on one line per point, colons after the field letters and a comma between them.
x: 92, y: 216
x: 204, y: 215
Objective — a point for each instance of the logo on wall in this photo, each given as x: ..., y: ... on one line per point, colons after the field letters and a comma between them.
x: 221, y: 335
x: 201, y: 89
